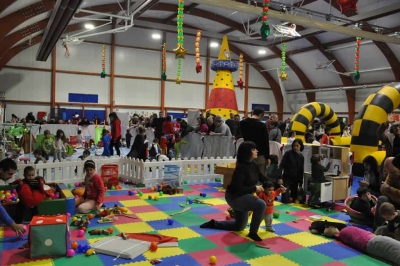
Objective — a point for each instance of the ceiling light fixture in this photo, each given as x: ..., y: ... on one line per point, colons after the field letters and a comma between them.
x: 262, y: 52
x: 156, y: 36
x: 89, y: 26
x: 214, y: 44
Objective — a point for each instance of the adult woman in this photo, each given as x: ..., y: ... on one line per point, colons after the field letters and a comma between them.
x: 239, y: 194
x: 293, y: 170
x: 371, y: 176
x: 115, y: 133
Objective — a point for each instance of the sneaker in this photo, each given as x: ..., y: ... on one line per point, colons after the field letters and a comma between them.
x: 270, y: 229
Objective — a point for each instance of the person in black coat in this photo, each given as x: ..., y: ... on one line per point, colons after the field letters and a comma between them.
x: 239, y: 194
x: 137, y: 150
x: 293, y: 170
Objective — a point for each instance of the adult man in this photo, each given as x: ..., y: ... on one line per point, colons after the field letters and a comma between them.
x: 221, y: 129
x: 390, y: 190
x: 7, y: 170
x: 254, y: 130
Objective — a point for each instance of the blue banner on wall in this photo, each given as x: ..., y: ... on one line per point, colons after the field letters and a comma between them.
x: 83, y: 98
x: 265, y: 106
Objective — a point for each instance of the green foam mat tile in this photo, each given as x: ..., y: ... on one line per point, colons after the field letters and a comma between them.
x: 248, y: 251
x: 306, y: 257
x: 196, y: 244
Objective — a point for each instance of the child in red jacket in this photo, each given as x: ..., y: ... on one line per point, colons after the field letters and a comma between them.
x: 93, y: 197
x: 31, y: 192
x: 269, y: 196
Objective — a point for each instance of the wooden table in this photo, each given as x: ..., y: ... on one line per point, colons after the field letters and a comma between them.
x: 227, y: 171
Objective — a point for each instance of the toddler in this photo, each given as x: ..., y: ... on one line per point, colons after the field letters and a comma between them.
x: 363, y: 204
x: 106, y: 139
x: 47, y: 144
x: 390, y: 214
x: 155, y: 152
x: 163, y: 144
x: 85, y: 154
x: 317, y: 177
x: 59, y: 141
x: 178, y: 143
x: 128, y: 138
x: 93, y: 197
x: 38, y: 157
x: 269, y: 196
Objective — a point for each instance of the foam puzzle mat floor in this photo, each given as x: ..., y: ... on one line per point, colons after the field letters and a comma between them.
x: 291, y: 244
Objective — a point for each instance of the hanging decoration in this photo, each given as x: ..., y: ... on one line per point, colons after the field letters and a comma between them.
x: 178, y: 76
x: 164, y: 62
x: 199, y: 68
x: 346, y: 5
x: 265, y: 29
x: 357, y: 60
x: 283, y: 76
x: 103, y: 62
x: 240, y: 81
x: 67, y: 53
x: 180, y: 52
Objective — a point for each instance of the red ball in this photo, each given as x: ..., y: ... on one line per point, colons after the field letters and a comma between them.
x: 153, y: 246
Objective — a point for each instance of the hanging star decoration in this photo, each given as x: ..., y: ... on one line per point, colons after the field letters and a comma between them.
x: 103, y: 62
x: 240, y: 81
x: 199, y: 68
x: 346, y: 5
x: 357, y: 60
x: 283, y: 76
x: 265, y: 29
x: 164, y: 62
x: 180, y: 52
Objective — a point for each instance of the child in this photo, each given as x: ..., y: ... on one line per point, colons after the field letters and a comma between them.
x: 178, y: 143
x: 269, y: 196
x: 363, y: 204
x: 274, y: 173
x: 59, y: 145
x: 47, y: 144
x: 31, y: 192
x: 128, y: 137
x: 163, y: 143
x: 155, y: 152
x: 39, y: 157
x: 390, y: 214
x: 106, y: 139
x: 371, y: 176
x: 93, y: 197
x: 317, y: 177
x: 79, y: 137
x: 85, y: 154
x: 291, y: 137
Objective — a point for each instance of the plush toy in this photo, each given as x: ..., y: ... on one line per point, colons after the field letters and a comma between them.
x: 99, y: 232
x: 80, y: 221
x: 326, y: 228
x: 78, y: 191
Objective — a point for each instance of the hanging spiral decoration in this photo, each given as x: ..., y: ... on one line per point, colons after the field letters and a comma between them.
x: 283, y: 76
x: 240, y: 81
x: 103, y: 62
x: 199, y: 68
x: 164, y: 62
x: 357, y: 60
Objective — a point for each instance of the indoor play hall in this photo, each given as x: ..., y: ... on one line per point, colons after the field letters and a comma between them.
x: 199, y: 132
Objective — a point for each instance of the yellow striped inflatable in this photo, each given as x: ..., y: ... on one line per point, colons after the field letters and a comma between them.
x: 373, y: 112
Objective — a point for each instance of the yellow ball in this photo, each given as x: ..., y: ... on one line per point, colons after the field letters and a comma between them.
x: 155, y: 197
x: 89, y: 252
x: 213, y: 259
x: 74, y: 219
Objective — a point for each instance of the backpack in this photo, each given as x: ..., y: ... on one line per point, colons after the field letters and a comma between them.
x: 153, y: 151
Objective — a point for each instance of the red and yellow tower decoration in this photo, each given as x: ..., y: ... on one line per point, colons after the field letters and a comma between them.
x: 222, y: 100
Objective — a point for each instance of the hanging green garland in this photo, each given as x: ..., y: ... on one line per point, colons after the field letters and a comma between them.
x: 357, y: 60
x: 265, y: 30
x: 283, y: 76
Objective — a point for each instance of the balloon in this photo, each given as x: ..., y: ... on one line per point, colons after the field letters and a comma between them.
x: 180, y: 52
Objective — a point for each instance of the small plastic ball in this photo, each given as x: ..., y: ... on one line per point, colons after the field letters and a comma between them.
x: 68, y: 215
x: 90, y: 216
x: 155, y: 197
x: 70, y: 253
x: 69, y: 186
x: 185, y: 182
x: 110, y: 230
x: 170, y: 221
x: 80, y: 248
x: 83, y: 228
x: 188, y: 198
x: 190, y: 201
x: 89, y: 252
x: 160, y: 193
x: 153, y: 246
x: 81, y: 233
x: 74, y: 219
x: 287, y: 212
x: 152, y: 188
x: 76, y: 184
x: 76, y: 196
x: 25, y: 227
x: 150, y: 197
x: 112, y: 188
x: 74, y: 245
x: 204, y: 195
x: 213, y: 259
x: 201, y: 194
x: 140, y: 194
x: 130, y: 193
x: 14, y: 191
x: 276, y: 215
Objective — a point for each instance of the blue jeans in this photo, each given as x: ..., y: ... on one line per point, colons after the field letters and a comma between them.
x: 241, y: 206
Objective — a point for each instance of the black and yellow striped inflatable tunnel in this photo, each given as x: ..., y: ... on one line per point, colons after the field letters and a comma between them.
x: 373, y: 112
x: 301, y: 121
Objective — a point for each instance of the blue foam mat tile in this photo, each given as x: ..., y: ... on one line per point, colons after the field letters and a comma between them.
x: 178, y: 199
x: 184, y: 259
x: 208, y: 190
x: 204, y: 231
x: 205, y: 210
x: 111, y: 204
x: 168, y: 206
x: 163, y: 224
x: 216, y: 184
x: 111, y: 260
x: 12, y: 242
x: 284, y: 229
x: 116, y: 192
x: 335, y: 251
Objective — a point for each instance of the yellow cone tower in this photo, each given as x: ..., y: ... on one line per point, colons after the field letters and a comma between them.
x: 222, y: 100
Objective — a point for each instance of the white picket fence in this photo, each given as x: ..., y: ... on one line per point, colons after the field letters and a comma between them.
x: 193, y: 171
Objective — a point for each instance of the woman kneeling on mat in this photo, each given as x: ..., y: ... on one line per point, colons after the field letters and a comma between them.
x: 93, y: 197
x: 239, y: 194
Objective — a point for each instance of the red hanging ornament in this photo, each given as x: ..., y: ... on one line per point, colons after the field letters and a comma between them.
x: 199, y: 68
x: 240, y: 81
x: 346, y: 5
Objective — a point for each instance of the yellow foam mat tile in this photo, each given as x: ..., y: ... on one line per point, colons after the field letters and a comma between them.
x: 181, y: 233
x: 94, y: 240
x: 274, y: 221
x: 47, y: 262
x: 139, y: 263
x: 329, y: 219
x: 261, y: 233
x: 139, y: 227
x: 300, y: 206
x: 215, y: 201
x: 67, y: 193
x: 134, y: 203
x: 152, y: 216
x: 1, y: 231
x: 274, y: 259
x: 277, y: 203
x: 306, y: 239
x: 165, y: 252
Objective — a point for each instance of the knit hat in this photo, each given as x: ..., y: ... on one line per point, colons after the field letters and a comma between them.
x: 89, y: 164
